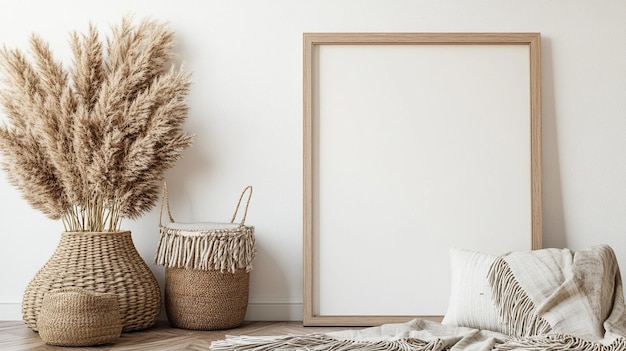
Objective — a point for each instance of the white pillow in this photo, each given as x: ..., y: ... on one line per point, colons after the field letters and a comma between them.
x: 470, y: 303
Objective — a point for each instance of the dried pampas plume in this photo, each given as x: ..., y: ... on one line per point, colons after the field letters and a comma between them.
x: 88, y: 145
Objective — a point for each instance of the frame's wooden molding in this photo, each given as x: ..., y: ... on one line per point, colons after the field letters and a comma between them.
x: 311, y: 41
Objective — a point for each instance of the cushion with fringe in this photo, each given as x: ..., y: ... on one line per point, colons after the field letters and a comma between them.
x: 471, y: 304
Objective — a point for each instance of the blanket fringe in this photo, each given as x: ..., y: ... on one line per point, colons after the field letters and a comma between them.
x: 516, y: 309
x: 558, y: 342
x: 320, y: 342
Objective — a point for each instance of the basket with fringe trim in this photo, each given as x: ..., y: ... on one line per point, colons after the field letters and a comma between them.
x: 207, y: 269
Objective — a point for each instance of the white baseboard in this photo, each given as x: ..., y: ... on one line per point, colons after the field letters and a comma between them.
x: 258, y: 310
x: 10, y: 311
x: 274, y: 310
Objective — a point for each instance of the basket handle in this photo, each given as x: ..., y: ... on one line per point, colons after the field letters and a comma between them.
x: 245, y: 212
x: 165, y: 200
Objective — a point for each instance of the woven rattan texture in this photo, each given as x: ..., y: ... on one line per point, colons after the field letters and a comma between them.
x: 101, y: 262
x: 206, y: 299
x: 78, y: 317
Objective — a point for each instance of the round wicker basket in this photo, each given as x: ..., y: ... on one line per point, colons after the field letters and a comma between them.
x: 105, y: 262
x: 207, y: 270
x: 78, y: 317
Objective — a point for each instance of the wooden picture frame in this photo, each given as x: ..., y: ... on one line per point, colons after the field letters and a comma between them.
x: 414, y: 143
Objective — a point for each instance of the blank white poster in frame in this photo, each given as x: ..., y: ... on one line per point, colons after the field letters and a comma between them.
x: 414, y: 143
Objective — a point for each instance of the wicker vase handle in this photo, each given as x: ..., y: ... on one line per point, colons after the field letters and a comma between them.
x: 165, y: 200
x: 245, y: 212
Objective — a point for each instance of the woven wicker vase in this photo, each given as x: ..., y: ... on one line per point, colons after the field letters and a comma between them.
x: 104, y: 262
x: 206, y: 300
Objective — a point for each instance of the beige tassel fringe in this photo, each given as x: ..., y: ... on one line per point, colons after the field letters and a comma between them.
x: 558, y: 342
x: 516, y: 309
x: 320, y: 342
x: 224, y: 250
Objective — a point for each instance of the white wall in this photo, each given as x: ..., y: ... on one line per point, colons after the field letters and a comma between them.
x: 246, y: 109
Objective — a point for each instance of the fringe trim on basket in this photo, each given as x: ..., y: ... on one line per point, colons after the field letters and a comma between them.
x: 219, y: 250
x: 557, y: 342
x: 320, y: 342
x: 516, y: 309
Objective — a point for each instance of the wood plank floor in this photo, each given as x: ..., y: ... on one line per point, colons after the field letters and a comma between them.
x: 15, y: 336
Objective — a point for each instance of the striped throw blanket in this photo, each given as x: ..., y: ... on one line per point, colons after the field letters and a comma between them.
x: 550, y: 299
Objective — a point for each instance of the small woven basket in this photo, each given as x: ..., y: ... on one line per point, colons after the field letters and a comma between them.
x: 207, y: 269
x: 78, y: 317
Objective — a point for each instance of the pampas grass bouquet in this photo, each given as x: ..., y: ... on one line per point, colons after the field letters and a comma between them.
x: 90, y: 141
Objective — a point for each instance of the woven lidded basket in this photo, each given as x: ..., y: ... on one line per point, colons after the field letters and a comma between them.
x: 207, y: 270
x: 79, y: 317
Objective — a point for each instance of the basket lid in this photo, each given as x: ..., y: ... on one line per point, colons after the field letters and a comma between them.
x: 201, y: 226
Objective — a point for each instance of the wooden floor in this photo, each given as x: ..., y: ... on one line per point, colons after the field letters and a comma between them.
x: 15, y: 336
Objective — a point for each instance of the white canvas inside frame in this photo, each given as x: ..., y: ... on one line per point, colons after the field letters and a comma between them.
x: 415, y: 149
